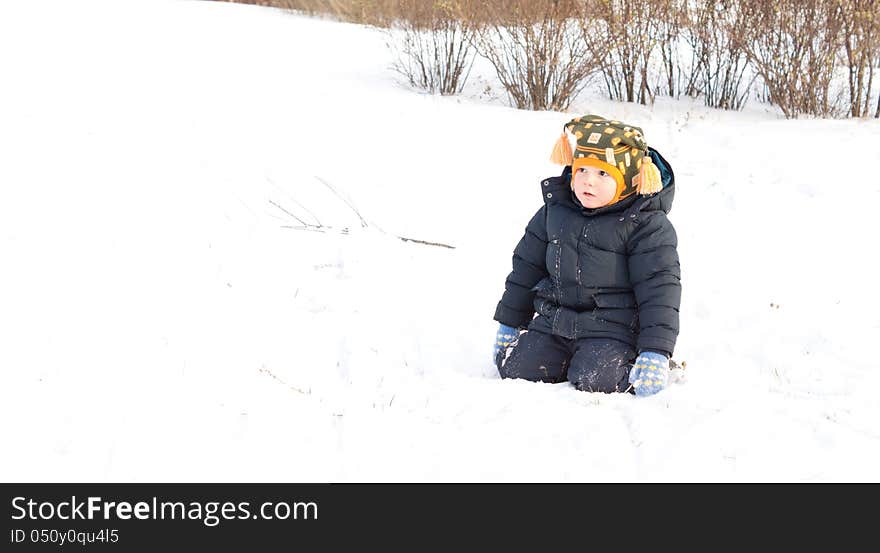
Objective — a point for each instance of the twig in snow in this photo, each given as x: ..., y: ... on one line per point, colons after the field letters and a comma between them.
x: 315, y: 228
x: 306, y: 227
x: 341, y: 197
x: 440, y: 244
x: 264, y: 370
x: 321, y: 228
x: 301, y: 206
x: 289, y: 213
x: 345, y: 231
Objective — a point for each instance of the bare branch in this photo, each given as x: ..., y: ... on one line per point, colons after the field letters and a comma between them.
x: 289, y: 213
x: 341, y: 197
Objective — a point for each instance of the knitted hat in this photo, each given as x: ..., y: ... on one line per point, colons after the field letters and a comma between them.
x: 617, y: 148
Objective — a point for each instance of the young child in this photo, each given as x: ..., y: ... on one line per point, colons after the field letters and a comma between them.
x: 595, y: 288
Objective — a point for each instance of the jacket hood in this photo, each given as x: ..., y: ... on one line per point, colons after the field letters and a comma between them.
x: 558, y: 190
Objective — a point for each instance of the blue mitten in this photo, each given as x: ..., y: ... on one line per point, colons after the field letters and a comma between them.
x: 650, y: 373
x: 506, y: 336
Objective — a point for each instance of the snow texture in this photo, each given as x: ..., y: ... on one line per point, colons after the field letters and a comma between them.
x: 202, y: 276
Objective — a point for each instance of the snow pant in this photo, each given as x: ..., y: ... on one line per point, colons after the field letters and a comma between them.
x: 591, y: 364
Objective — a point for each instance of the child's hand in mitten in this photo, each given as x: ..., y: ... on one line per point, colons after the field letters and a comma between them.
x: 506, y: 335
x: 650, y: 373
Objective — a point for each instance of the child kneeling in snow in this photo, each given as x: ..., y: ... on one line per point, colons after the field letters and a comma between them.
x: 595, y: 288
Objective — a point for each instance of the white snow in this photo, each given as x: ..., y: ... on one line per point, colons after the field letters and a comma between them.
x: 161, y: 321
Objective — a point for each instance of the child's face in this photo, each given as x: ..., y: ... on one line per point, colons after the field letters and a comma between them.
x: 593, y: 186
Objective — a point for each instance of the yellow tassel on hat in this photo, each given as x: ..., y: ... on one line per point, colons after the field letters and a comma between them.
x: 649, y: 177
x: 562, y: 154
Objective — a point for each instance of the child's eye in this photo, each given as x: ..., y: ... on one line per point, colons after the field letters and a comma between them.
x: 603, y: 173
x: 582, y: 170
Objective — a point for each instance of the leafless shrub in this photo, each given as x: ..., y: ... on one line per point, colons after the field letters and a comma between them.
x: 792, y: 45
x: 672, y: 22
x: 432, y: 45
x: 536, y: 49
x: 815, y: 57
x: 719, y: 70
x: 861, y: 47
x: 622, y: 35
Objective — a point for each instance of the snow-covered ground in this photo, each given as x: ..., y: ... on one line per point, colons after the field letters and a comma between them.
x: 162, y: 318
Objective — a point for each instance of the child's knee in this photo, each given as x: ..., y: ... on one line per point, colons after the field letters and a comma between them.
x: 501, y: 359
x: 534, y: 358
x: 602, y: 366
x: 529, y: 367
x: 539, y: 372
x: 599, y: 381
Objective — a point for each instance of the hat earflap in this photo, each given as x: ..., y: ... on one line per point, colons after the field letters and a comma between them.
x: 562, y: 154
x: 649, y: 177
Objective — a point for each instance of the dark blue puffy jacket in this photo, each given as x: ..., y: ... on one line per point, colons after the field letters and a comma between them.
x: 610, y: 272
